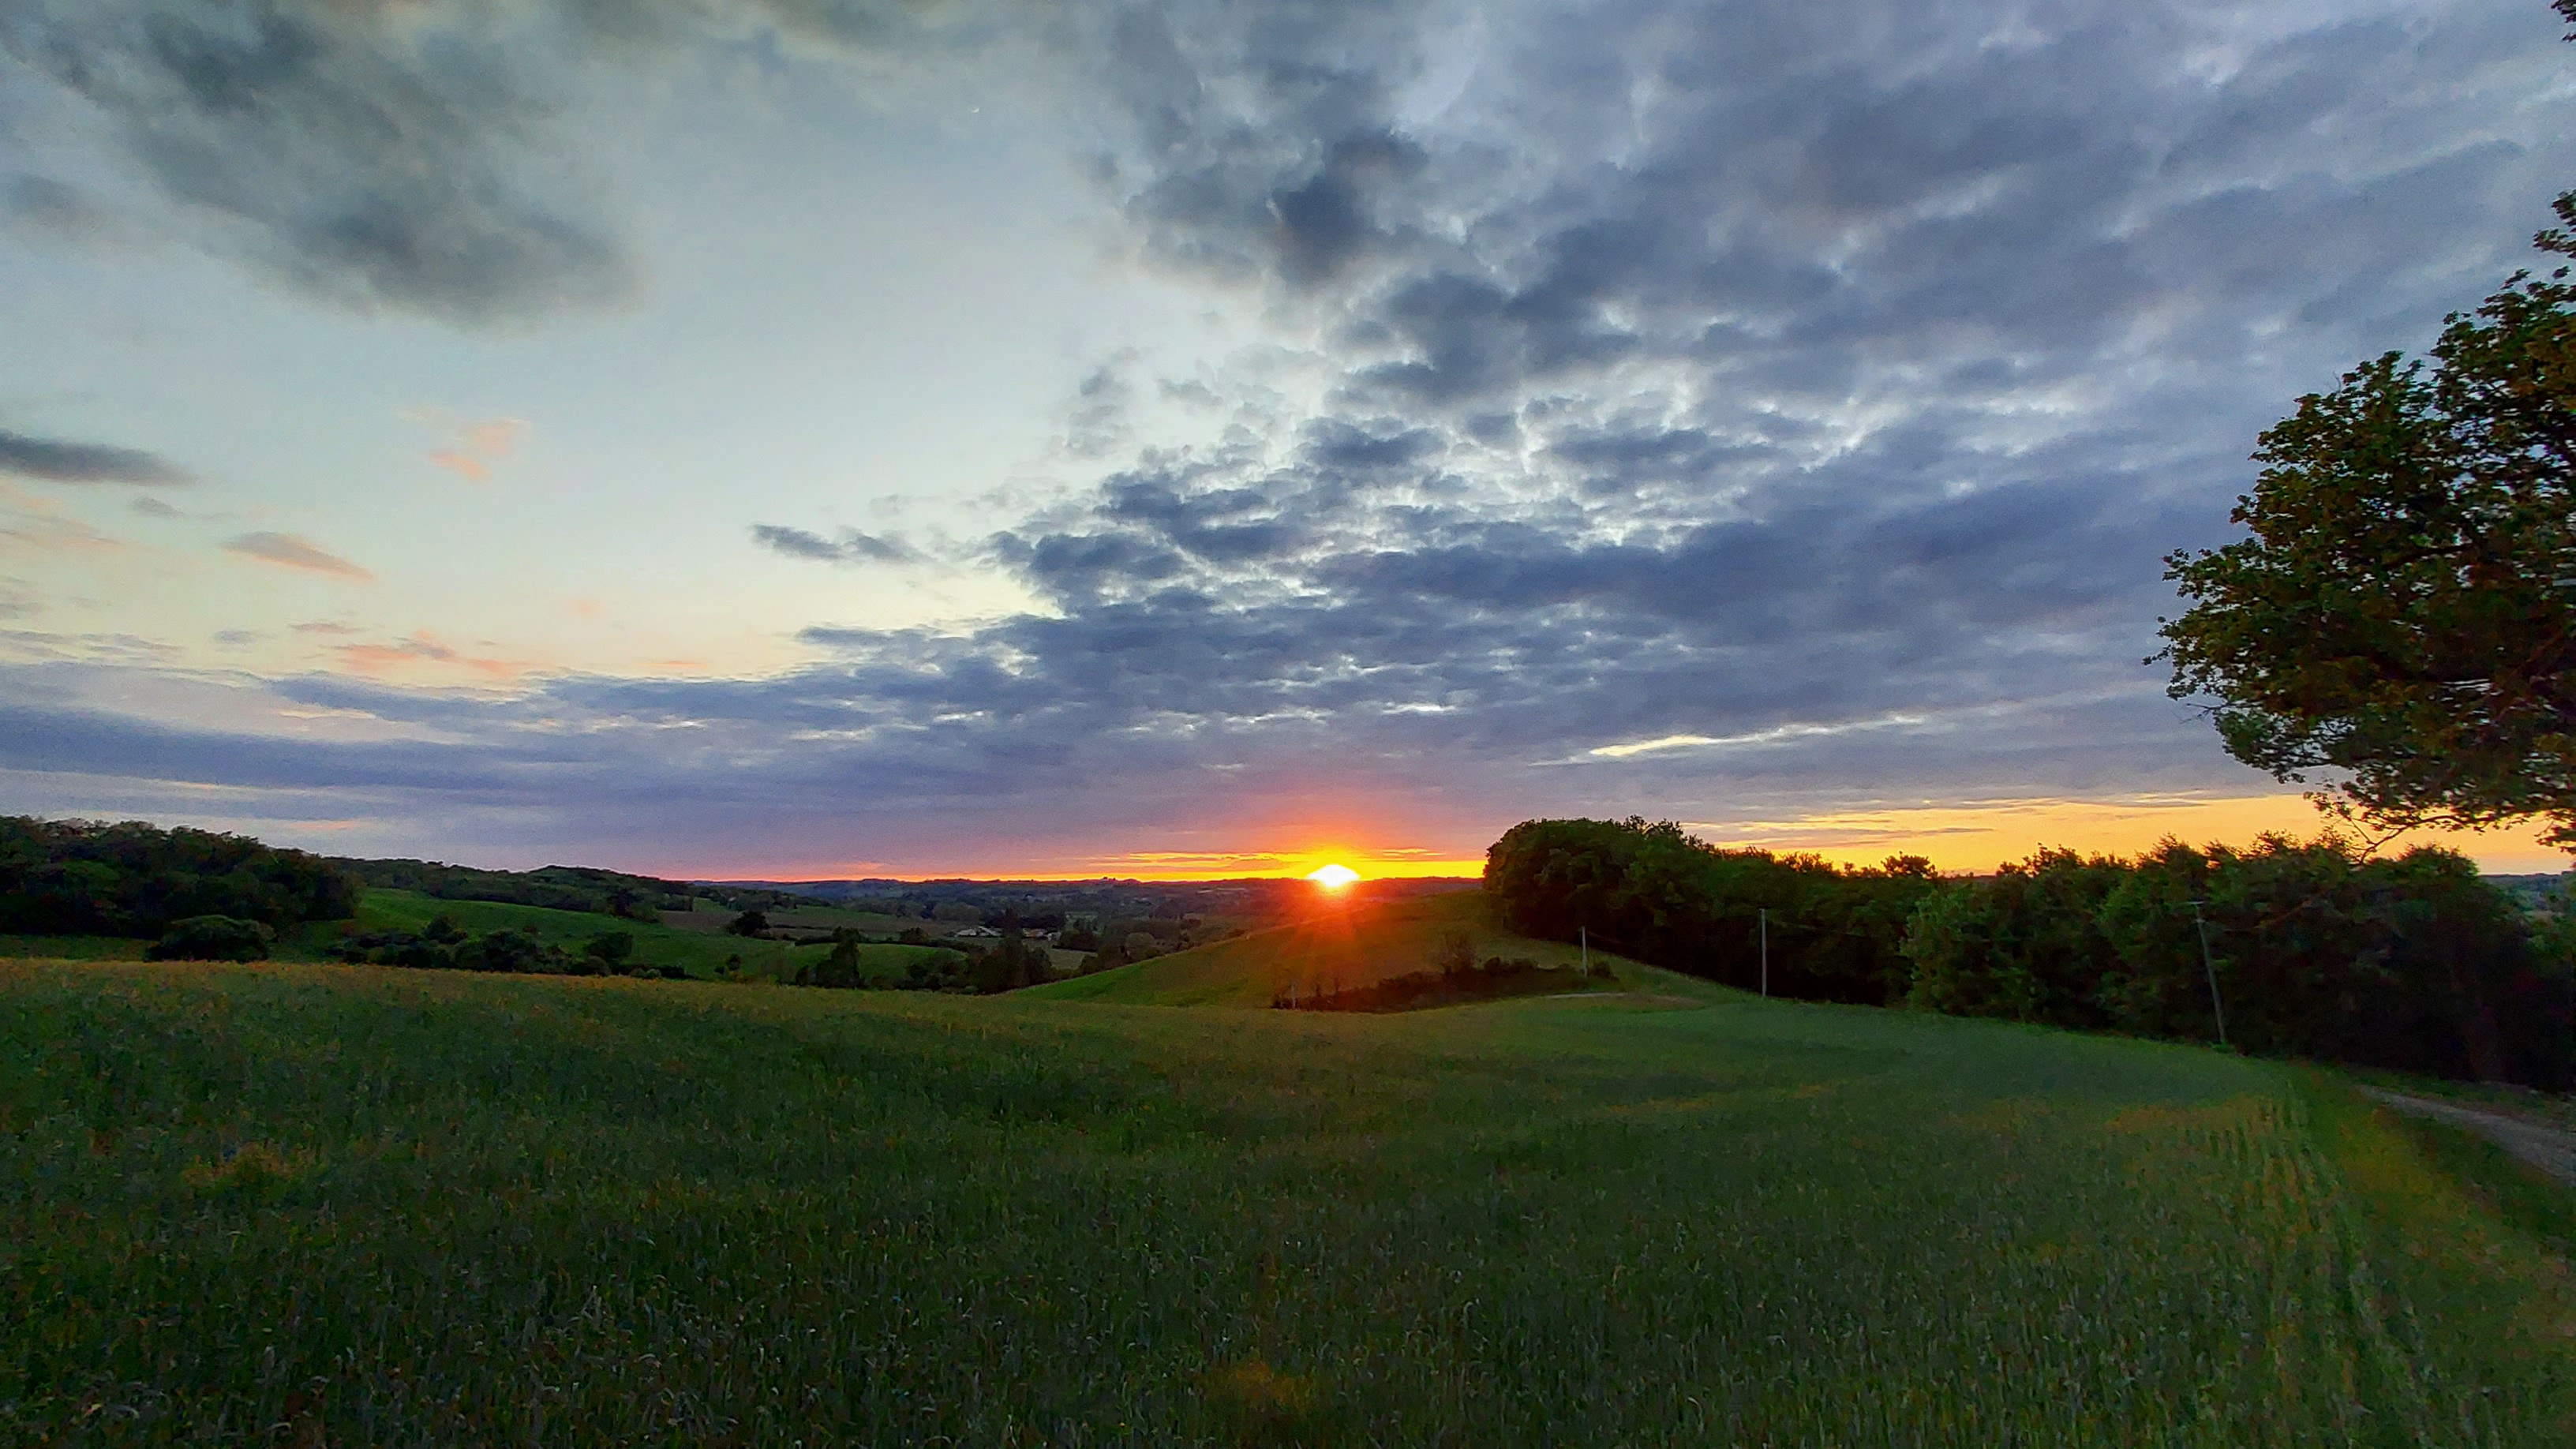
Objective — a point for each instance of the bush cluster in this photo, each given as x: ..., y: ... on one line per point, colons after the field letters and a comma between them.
x: 2302, y: 948
x: 213, y: 938
x: 1126, y: 940
x: 441, y: 946
x: 91, y: 878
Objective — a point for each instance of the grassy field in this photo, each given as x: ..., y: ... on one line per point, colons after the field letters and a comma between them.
x: 325, y: 1204
x: 698, y: 952
x: 74, y: 948
x: 701, y: 953
x: 707, y: 916
x: 1334, y: 951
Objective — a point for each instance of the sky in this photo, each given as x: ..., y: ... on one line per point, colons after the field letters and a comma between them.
x: 823, y: 438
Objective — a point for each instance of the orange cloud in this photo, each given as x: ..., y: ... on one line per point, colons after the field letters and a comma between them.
x: 296, y: 552
x: 476, y: 445
x: 32, y: 518
x: 463, y: 464
x: 495, y: 438
x: 56, y: 534
x: 423, y: 647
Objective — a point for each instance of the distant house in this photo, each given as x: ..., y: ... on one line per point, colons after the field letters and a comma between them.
x: 975, y: 933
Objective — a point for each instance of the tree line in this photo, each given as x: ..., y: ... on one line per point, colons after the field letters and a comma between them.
x: 93, y: 878
x: 2313, y: 949
x: 555, y: 887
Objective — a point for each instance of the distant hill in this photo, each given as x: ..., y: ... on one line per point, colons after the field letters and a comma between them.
x: 563, y: 888
x: 1361, y: 945
x: 2536, y: 892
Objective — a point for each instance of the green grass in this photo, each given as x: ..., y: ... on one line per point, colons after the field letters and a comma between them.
x: 377, y: 1206
x: 700, y: 953
x: 1335, y: 951
x: 74, y: 948
x: 2500, y: 1184
x: 2548, y: 1109
x: 697, y: 952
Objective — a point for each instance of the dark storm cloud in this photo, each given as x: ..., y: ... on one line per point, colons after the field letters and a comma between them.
x: 55, y: 461
x: 851, y: 546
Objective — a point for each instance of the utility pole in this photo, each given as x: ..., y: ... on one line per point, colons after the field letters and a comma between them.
x: 2211, y: 971
x: 1766, y: 951
x: 1585, y: 936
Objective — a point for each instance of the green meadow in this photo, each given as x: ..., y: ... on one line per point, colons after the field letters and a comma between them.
x: 700, y: 952
x: 366, y: 1205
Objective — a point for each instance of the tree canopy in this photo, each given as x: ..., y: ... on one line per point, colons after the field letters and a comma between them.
x: 2316, y: 949
x: 2403, y: 613
x: 76, y: 877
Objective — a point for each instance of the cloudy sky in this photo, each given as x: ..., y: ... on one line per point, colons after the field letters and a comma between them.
x: 846, y: 437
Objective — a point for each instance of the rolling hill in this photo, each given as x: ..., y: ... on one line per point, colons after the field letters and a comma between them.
x: 392, y: 1206
x: 1363, y: 943
x: 370, y: 1204
x: 698, y: 952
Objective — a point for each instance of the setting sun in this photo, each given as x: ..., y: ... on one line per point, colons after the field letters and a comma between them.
x: 1333, y: 877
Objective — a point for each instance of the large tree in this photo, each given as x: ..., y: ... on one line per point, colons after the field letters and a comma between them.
x: 2404, y: 611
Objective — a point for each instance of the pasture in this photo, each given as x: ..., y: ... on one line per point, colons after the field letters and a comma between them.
x: 327, y: 1204
x: 700, y: 953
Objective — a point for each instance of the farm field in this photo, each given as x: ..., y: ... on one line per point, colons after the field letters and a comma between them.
x: 385, y: 1206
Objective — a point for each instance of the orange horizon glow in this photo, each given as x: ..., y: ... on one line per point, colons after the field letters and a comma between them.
x: 1958, y: 837
x: 1975, y: 837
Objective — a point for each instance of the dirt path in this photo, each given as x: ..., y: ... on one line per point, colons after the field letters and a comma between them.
x: 2547, y: 1148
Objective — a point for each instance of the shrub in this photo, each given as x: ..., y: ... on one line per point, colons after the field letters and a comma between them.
x: 610, y: 948
x: 521, y: 952
x: 839, y: 969
x: 213, y: 938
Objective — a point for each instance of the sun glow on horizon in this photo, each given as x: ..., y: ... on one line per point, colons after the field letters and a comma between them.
x: 1333, y: 877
